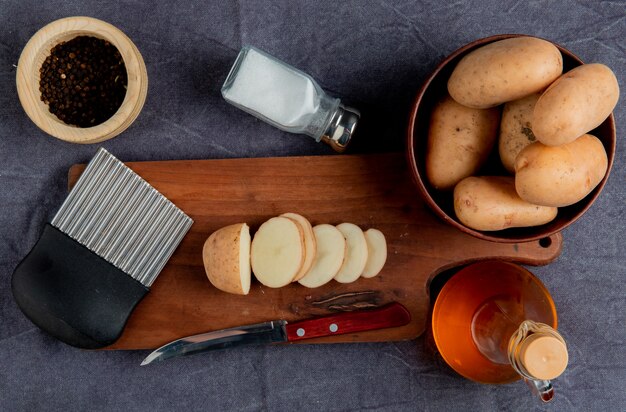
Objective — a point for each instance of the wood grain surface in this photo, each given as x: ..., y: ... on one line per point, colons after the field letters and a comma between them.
x: 368, y: 190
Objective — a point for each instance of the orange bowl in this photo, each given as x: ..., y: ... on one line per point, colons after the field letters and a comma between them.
x: 441, y: 202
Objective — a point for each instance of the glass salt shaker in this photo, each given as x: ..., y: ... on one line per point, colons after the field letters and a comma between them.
x: 287, y: 98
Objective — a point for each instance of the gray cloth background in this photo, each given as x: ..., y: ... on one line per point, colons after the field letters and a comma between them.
x: 372, y: 54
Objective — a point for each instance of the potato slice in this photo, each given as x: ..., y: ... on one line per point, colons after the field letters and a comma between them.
x: 226, y: 256
x: 331, y: 250
x: 356, y: 253
x: 277, y: 252
x: 376, y: 253
x: 310, y: 246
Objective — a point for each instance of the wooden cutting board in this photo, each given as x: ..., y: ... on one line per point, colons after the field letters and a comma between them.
x: 368, y: 190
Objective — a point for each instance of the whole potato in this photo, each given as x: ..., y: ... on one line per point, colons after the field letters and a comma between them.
x: 560, y: 175
x: 459, y: 142
x: 491, y: 203
x: 576, y: 103
x: 505, y: 70
x: 516, y: 129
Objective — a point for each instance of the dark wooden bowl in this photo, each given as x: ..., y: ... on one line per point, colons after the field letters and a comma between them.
x: 441, y: 202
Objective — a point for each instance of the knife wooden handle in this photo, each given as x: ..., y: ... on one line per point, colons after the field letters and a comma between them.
x: 388, y: 316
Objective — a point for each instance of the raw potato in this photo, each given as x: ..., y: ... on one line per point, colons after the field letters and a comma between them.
x: 560, y: 175
x: 459, y: 141
x: 356, y: 253
x: 376, y: 253
x: 578, y: 102
x: 331, y: 251
x: 277, y: 252
x: 516, y: 129
x: 505, y: 70
x: 491, y: 203
x: 310, y: 246
x: 226, y: 256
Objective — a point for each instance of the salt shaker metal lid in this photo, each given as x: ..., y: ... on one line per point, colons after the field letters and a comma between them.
x: 341, y: 128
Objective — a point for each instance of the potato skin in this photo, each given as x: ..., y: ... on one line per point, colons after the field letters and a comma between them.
x: 505, y: 70
x: 516, y: 129
x: 490, y: 203
x: 220, y: 255
x: 459, y: 141
x: 560, y: 175
x: 576, y: 103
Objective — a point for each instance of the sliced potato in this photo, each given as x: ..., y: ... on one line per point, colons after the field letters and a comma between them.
x: 331, y: 250
x: 226, y: 256
x: 376, y: 253
x: 310, y: 246
x: 277, y: 252
x: 356, y: 253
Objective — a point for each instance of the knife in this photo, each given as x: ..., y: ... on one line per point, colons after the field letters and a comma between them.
x: 281, y: 331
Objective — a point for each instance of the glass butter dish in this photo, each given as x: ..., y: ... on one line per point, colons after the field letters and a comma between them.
x: 288, y: 99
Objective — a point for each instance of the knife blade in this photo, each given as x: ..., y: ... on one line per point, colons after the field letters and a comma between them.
x: 281, y: 331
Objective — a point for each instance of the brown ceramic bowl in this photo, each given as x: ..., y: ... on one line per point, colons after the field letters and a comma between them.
x: 441, y: 202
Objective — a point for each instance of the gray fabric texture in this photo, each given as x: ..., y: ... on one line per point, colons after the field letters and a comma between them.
x: 373, y: 55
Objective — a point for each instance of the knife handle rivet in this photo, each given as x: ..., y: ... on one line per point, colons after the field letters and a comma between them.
x: 333, y: 327
x: 300, y: 332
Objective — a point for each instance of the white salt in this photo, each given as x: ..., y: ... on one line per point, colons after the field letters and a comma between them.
x: 274, y: 91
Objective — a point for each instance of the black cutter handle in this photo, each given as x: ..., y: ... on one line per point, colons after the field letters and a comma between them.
x: 73, y: 294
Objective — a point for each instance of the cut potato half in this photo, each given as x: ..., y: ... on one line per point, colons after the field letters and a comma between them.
x: 226, y: 256
x: 310, y: 246
x: 277, y: 252
x: 376, y: 253
x: 331, y: 250
x: 356, y: 253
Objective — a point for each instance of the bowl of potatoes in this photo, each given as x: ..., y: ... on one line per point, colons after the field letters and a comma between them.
x: 512, y: 137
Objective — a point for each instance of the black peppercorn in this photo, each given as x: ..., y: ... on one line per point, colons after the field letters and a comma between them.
x: 64, y: 88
